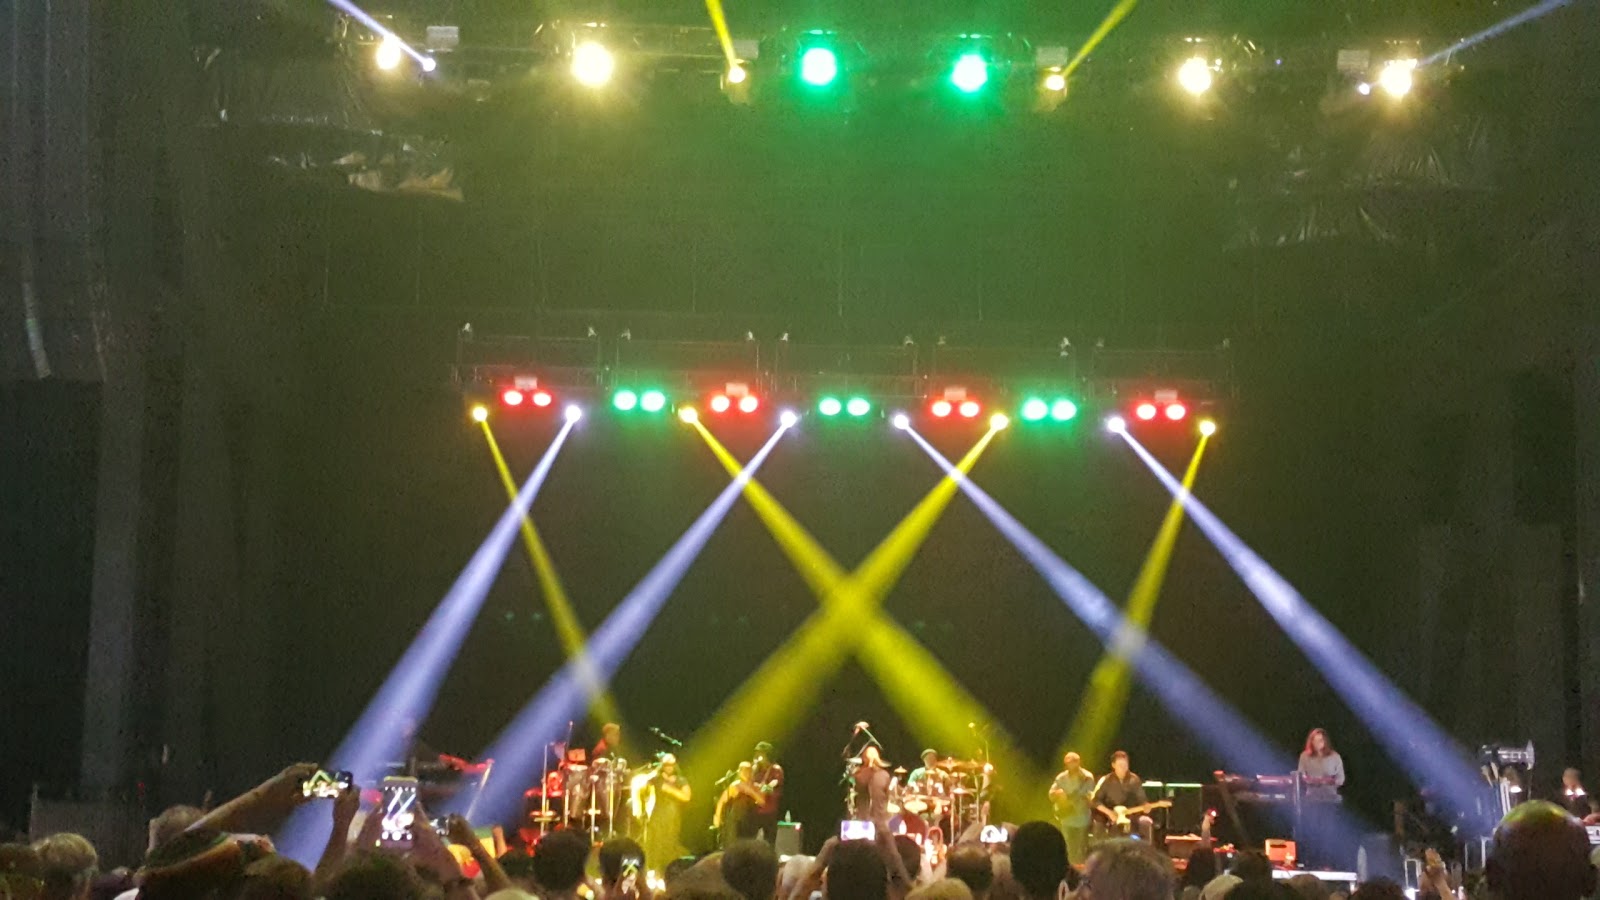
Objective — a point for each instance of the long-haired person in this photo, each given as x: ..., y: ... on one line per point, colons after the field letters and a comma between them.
x: 1322, y: 775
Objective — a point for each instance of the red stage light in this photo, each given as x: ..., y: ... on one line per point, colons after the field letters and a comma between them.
x: 542, y: 398
x: 970, y: 409
x: 1176, y: 411
x: 748, y: 403
x: 1145, y: 411
x: 512, y: 397
x: 720, y: 403
x: 941, y: 408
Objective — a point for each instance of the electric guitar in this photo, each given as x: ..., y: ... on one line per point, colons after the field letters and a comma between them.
x: 1125, y: 814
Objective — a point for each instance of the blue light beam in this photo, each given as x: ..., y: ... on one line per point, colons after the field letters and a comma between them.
x: 1407, y: 733
x: 519, y: 749
x: 1495, y: 30
x: 378, y: 28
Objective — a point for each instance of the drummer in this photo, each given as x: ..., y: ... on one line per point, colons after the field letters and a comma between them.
x: 927, y: 778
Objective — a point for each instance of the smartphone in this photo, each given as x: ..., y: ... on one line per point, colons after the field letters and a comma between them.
x: 629, y: 884
x: 857, y: 830
x: 993, y: 834
x: 324, y: 785
x: 399, y: 810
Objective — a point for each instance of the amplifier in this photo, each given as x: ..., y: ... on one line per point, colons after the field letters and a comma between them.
x: 788, y: 842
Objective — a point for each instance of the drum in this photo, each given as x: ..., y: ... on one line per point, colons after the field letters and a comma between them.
x: 575, y: 784
x: 916, y: 803
x: 910, y: 825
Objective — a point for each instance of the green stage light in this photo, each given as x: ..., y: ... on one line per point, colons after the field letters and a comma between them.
x: 858, y: 407
x: 829, y: 406
x: 625, y: 400
x: 1034, y: 409
x: 652, y: 401
x: 970, y: 73
x: 819, y: 66
x: 1063, y: 410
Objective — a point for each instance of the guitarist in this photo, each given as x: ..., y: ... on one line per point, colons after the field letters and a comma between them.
x: 768, y: 777
x: 1070, y: 794
x: 1120, y: 800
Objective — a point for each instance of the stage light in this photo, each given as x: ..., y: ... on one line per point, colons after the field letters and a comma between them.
x: 829, y: 406
x: 720, y: 403
x: 749, y: 403
x: 652, y: 401
x: 1063, y: 410
x: 1208, y: 427
x: 688, y: 415
x: 858, y: 407
x: 1176, y: 411
x: 819, y: 66
x: 1055, y: 82
x: 737, y: 74
x: 1034, y: 409
x: 573, y: 412
x: 542, y: 399
x: 1116, y: 424
x: 1364, y: 89
x: 429, y: 64
x: 970, y: 73
x: 788, y: 418
x: 480, y: 413
x: 999, y: 421
x: 592, y: 64
x: 901, y: 421
x: 1397, y: 77
x: 941, y: 408
x: 969, y: 409
x: 1195, y: 76
x: 1145, y: 411
x: 625, y: 400
x: 512, y: 397
x: 389, y: 54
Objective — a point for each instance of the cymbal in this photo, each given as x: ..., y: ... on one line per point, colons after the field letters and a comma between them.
x: 963, y: 791
x: 960, y: 765
x: 900, y: 770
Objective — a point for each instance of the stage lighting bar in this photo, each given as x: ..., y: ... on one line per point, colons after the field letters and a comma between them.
x: 832, y: 406
x: 734, y: 397
x: 1164, y: 407
x: 649, y: 400
x: 819, y: 62
x: 1041, y: 409
x: 970, y: 73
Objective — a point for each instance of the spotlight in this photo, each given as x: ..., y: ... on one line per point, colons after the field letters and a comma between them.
x: 389, y: 54
x: 969, y: 409
x: 858, y: 407
x: 573, y: 412
x: 625, y: 400
x: 1208, y: 427
x: 788, y: 418
x: 512, y: 397
x: 737, y: 74
x: 1397, y: 78
x: 819, y: 66
x: 1364, y: 89
x: 1034, y: 409
x: 592, y: 64
x: 829, y: 406
x: 480, y: 413
x: 1176, y: 411
x: 688, y: 415
x: 749, y: 403
x: 720, y: 403
x: 1063, y: 410
x: 941, y: 408
x: 542, y: 399
x: 970, y: 73
x: 1194, y: 75
x: 1145, y: 411
x: 652, y: 401
x: 999, y: 421
x: 429, y: 64
x: 1055, y: 82
x: 901, y: 421
x: 1116, y: 424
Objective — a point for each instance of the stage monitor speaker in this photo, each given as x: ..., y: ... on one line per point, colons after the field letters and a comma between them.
x: 788, y: 842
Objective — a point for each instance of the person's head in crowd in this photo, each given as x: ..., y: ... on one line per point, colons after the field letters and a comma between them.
x: 275, y: 878
x: 511, y: 894
x: 173, y: 821
x: 1252, y: 865
x: 370, y: 875
x: 1261, y: 890
x: 612, y: 855
x: 751, y: 868
x: 791, y: 872
x: 1308, y: 887
x: 19, y: 871
x: 1005, y: 887
x: 1383, y: 889
x: 1125, y: 869
x: 1540, y: 853
x: 676, y: 868
x: 910, y: 855
x: 1039, y: 860
x: 518, y: 865
x: 67, y: 865
x: 943, y: 889
x: 1202, y: 867
x: 197, y: 862
x: 1571, y: 779
x: 855, y: 872
x: 700, y: 882
x: 558, y: 861
x: 970, y: 863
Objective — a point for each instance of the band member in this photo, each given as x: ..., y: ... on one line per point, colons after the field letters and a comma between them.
x: 927, y: 778
x: 1122, y: 788
x: 872, y: 780
x: 768, y: 777
x: 664, y: 827
x: 735, y: 813
x: 1070, y: 794
x: 1321, y: 768
x: 610, y: 746
x: 1576, y: 800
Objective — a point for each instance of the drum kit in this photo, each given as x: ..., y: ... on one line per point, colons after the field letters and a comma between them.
x: 946, y: 799
x: 580, y: 793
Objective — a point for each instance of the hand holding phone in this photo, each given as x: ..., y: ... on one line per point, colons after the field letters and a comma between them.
x: 325, y: 785
x: 399, y: 811
x: 857, y: 830
x: 629, y: 883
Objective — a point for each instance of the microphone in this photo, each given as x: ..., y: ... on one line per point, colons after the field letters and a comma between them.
x: 861, y: 726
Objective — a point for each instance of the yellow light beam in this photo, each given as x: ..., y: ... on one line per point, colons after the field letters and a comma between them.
x: 1106, y: 695
x: 1112, y: 19
x: 569, y: 631
x: 719, y: 21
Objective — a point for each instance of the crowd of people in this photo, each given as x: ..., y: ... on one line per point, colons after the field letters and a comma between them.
x: 1540, y: 852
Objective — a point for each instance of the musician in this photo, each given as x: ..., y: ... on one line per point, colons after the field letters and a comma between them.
x: 927, y: 778
x: 768, y: 777
x: 663, y: 829
x: 610, y: 746
x: 1070, y: 794
x: 1574, y: 799
x: 1321, y: 768
x: 872, y: 781
x: 735, y: 813
x: 1122, y: 788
